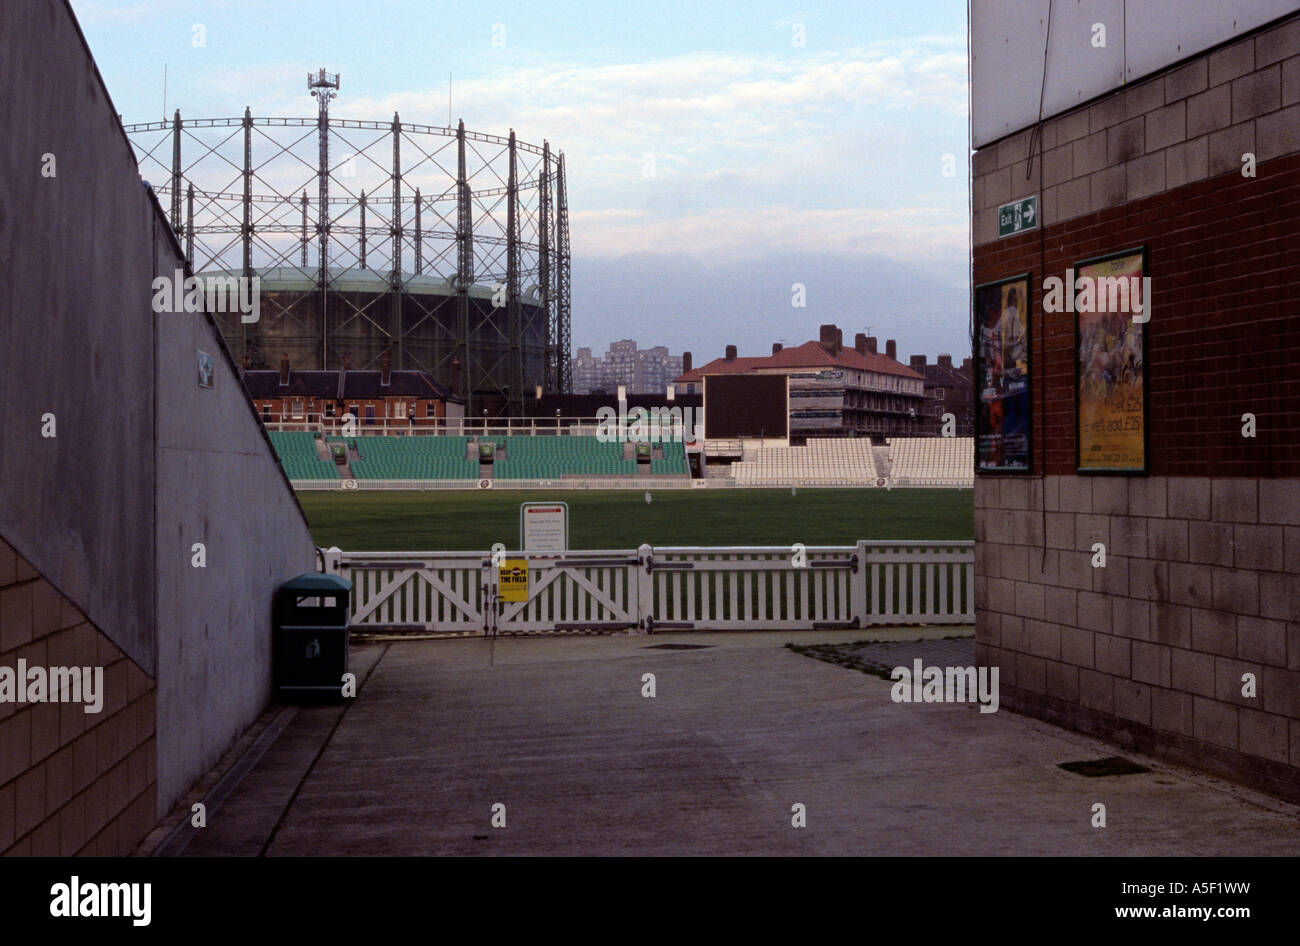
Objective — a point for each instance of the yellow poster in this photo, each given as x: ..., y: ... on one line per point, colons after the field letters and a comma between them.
x: 1111, y: 352
x: 512, y: 579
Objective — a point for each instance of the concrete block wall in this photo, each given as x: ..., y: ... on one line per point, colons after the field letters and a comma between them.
x: 1202, y: 581
x: 1199, y: 587
x: 1185, y: 125
x: 143, y: 462
x: 217, y: 482
x: 71, y: 782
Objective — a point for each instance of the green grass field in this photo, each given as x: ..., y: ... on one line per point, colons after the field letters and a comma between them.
x: 450, y: 520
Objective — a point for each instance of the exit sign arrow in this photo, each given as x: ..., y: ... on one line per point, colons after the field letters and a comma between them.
x: 1018, y: 216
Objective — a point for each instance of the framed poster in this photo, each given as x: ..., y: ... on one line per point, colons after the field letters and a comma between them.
x: 1110, y: 371
x: 1003, y: 434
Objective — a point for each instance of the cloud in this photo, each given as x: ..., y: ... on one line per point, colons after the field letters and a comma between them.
x: 734, y: 234
x: 818, y: 151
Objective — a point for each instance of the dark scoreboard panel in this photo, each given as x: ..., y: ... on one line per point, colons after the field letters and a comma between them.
x: 746, y: 405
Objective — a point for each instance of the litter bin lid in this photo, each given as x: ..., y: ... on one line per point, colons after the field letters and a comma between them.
x: 317, y: 583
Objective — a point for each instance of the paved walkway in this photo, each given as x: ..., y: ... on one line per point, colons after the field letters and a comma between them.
x: 557, y: 730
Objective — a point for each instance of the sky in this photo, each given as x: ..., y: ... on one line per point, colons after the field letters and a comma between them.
x: 717, y: 153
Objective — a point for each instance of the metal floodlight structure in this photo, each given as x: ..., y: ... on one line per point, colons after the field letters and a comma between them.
x: 445, y: 248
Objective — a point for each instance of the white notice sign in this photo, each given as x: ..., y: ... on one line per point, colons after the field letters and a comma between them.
x: 544, y: 527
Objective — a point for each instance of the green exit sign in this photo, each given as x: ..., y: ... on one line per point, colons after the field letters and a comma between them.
x: 1018, y: 216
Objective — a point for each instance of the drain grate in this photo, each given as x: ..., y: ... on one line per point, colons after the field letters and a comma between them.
x: 677, y: 646
x: 1111, y: 765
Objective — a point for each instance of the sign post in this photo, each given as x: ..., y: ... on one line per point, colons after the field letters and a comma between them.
x: 544, y: 527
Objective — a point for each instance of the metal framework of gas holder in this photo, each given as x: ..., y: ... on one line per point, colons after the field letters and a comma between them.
x: 417, y: 240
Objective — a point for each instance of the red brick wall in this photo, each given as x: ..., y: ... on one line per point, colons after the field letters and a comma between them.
x: 1150, y: 649
x: 1224, y: 335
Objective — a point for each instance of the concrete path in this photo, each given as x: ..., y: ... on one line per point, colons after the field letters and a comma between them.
x: 557, y: 731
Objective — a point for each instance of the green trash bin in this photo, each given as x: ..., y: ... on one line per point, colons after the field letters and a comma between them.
x: 311, y: 636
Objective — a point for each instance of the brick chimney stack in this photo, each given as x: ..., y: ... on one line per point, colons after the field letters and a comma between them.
x: 945, y: 361
x: 731, y: 353
x: 966, y: 366
x: 776, y: 348
x: 284, y: 370
x: 830, y: 338
x: 917, y: 364
x: 891, y: 350
x: 871, y: 344
x: 686, y: 362
x: 860, y: 343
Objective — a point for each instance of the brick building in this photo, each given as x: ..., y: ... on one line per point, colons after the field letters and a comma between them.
x: 1186, y: 644
x: 835, y: 391
x: 372, y: 397
x: 639, y: 371
x: 948, y: 390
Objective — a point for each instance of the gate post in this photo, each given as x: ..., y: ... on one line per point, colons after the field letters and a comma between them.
x: 644, y: 589
x: 330, y: 560
x: 858, y: 587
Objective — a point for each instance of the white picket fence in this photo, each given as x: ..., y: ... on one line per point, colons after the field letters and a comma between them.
x: 664, y: 588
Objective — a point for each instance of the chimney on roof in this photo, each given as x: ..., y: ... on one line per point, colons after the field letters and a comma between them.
x: 891, y: 350
x: 731, y: 353
x: 871, y: 344
x: 917, y: 363
x: 776, y: 348
x: 965, y: 366
x: 860, y: 343
x: 945, y: 361
x: 284, y: 370
x: 686, y: 362
x: 829, y: 338
x: 385, y: 375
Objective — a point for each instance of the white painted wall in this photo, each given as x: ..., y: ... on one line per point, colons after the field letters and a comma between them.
x: 1142, y: 37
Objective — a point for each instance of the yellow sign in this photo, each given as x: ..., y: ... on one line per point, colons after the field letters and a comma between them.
x: 512, y: 579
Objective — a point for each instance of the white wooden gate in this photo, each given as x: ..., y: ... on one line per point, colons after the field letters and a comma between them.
x: 677, y: 588
x: 393, y: 592
x: 582, y: 591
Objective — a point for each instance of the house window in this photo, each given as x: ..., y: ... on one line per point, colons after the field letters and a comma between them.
x: 329, y: 409
x: 431, y: 409
x: 296, y: 410
x: 938, y: 394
